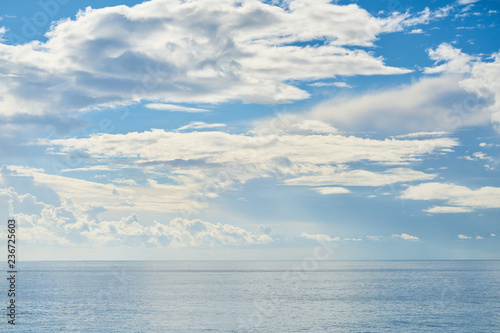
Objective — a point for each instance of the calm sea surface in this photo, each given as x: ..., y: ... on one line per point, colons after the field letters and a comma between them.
x: 243, y: 296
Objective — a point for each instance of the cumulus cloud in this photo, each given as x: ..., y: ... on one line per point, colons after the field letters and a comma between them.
x: 416, y: 31
x: 178, y: 232
x: 461, y: 198
x: 172, y: 51
x: 479, y: 77
x: 406, y: 237
x: 72, y: 224
x: 483, y: 82
x: 455, y: 61
x: 461, y: 236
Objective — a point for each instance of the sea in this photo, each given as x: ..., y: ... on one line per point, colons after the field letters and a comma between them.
x: 255, y: 296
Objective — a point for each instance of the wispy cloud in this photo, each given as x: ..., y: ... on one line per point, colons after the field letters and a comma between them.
x: 174, y: 108
x: 330, y: 84
x: 331, y: 190
x: 200, y: 125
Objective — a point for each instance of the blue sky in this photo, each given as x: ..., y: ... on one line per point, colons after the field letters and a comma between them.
x: 251, y: 130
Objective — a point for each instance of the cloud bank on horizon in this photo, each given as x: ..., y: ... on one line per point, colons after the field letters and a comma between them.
x: 253, y: 125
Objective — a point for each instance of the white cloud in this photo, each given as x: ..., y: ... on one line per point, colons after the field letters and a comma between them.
x: 331, y: 84
x: 406, y: 237
x: 130, y: 182
x: 448, y: 209
x: 320, y: 237
x: 422, y: 134
x: 169, y: 51
x: 485, y: 84
x: 416, y: 31
x: 466, y: 2
x: 493, y: 235
x: 353, y: 239
x: 455, y: 60
x: 331, y: 190
x: 3, y: 30
x: 178, y: 232
x: 431, y: 104
x: 220, y: 147
x: 332, y: 176
x: 374, y: 238
x: 478, y: 156
x: 464, y: 198
x: 171, y: 107
x: 461, y: 236
x: 484, y: 144
x: 199, y: 125
x: 71, y: 224
x: 191, y: 158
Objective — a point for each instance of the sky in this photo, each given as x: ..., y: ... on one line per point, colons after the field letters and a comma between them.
x: 225, y: 130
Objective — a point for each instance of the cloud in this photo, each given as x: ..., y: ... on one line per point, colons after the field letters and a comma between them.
x: 478, y: 156
x: 130, y: 182
x: 448, y: 209
x: 71, y: 224
x: 331, y: 190
x: 183, y: 168
x: 466, y: 2
x: 320, y: 237
x: 416, y: 31
x: 454, y: 60
x: 422, y: 134
x: 3, y: 30
x: 431, y: 104
x: 461, y: 236
x: 177, y: 233
x: 199, y: 125
x: 171, y: 107
x: 462, y: 198
x: 330, y: 84
x: 374, y: 238
x: 484, y: 83
x: 406, y: 237
x: 478, y: 78
x: 332, y: 176
x: 169, y: 51
x: 220, y: 147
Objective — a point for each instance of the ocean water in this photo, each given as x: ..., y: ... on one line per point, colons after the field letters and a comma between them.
x: 249, y: 296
